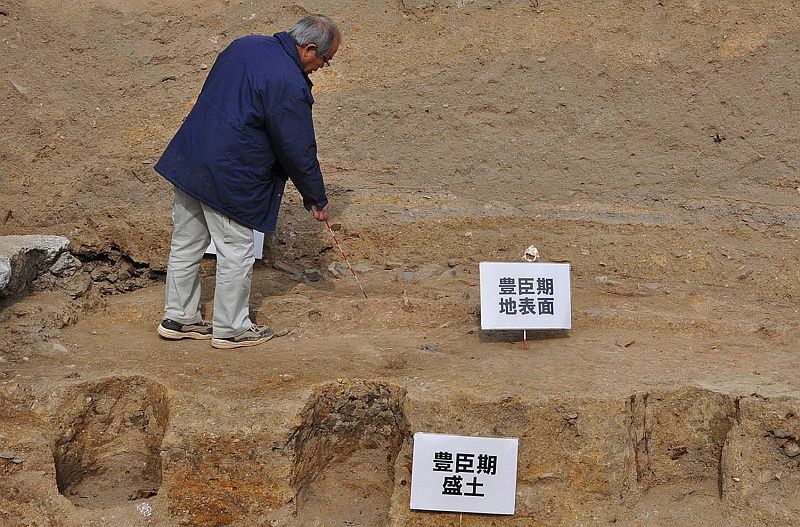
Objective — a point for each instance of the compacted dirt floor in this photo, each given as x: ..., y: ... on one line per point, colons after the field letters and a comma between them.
x: 653, y: 145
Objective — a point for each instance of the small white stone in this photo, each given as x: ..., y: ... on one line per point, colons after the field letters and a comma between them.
x: 144, y: 509
x: 531, y: 254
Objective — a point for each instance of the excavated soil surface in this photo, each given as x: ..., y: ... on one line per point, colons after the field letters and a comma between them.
x: 653, y: 145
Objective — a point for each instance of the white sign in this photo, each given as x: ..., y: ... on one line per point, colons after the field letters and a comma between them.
x: 464, y: 474
x: 258, y: 246
x: 525, y: 296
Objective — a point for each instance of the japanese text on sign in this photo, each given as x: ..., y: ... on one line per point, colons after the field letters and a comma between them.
x: 463, y: 463
x: 519, y: 296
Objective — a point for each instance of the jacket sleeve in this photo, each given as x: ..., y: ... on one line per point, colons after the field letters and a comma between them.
x: 291, y: 134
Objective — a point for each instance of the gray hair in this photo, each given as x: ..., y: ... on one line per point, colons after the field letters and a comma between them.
x: 319, y: 30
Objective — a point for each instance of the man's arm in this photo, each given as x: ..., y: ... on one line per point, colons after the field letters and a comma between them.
x: 291, y: 134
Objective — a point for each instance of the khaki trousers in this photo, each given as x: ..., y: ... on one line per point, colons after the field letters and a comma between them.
x: 195, y: 225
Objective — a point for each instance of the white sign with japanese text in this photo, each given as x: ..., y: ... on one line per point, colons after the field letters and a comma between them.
x: 525, y: 296
x: 258, y: 245
x: 464, y: 474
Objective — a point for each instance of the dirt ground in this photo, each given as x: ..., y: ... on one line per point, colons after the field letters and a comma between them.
x: 653, y: 145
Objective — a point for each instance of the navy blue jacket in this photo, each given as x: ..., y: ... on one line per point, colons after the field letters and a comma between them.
x: 249, y: 131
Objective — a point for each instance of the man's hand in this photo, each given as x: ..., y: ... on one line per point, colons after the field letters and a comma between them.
x: 320, y: 214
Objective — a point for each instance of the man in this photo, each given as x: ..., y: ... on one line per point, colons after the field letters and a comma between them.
x: 249, y: 131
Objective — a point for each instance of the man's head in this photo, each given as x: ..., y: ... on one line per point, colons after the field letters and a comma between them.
x: 317, y: 39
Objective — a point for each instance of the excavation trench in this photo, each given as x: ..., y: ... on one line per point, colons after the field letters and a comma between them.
x: 108, y: 441
x: 345, y: 450
x: 347, y: 458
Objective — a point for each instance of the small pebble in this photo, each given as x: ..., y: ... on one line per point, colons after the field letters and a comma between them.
x: 791, y: 449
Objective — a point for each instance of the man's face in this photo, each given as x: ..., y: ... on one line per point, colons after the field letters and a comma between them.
x: 312, y: 60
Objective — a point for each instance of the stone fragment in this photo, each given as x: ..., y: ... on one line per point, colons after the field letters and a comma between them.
x: 338, y: 269
x: 312, y: 275
x: 450, y: 273
x: 428, y: 347
x: 23, y: 258
x: 60, y: 348
x: 78, y: 285
x: 452, y: 262
x: 22, y: 90
x: 65, y: 265
x: 427, y: 271
x: 781, y: 433
x: 791, y: 449
x: 408, y: 276
x: 362, y: 268
x: 288, y: 269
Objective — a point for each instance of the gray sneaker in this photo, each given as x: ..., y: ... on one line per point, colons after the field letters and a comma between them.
x: 169, y: 329
x: 252, y: 337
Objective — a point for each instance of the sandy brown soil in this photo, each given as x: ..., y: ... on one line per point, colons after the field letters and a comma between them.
x: 654, y: 145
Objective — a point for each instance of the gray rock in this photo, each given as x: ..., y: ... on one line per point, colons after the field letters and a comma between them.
x: 452, y: 262
x: 362, y: 268
x: 65, y: 265
x: 791, y: 449
x: 60, y: 348
x: 781, y: 433
x: 408, y: 276
x: 313, y: 275
x: 23, y: 258
x: 429, y: 347
x: 78, y: 285
x: 450, y: 273
x: 429, y: 270
x: 288, y: 269
x: 22, y: 90
x: 338, y: 269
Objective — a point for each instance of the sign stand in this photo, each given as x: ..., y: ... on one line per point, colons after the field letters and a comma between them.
x: 525, y: 339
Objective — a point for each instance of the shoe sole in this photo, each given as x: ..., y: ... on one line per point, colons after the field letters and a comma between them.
x: 171, y: 334
x: 227, y: 344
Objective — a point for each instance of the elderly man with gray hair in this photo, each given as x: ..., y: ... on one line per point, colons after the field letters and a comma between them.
x: 250, y: 130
